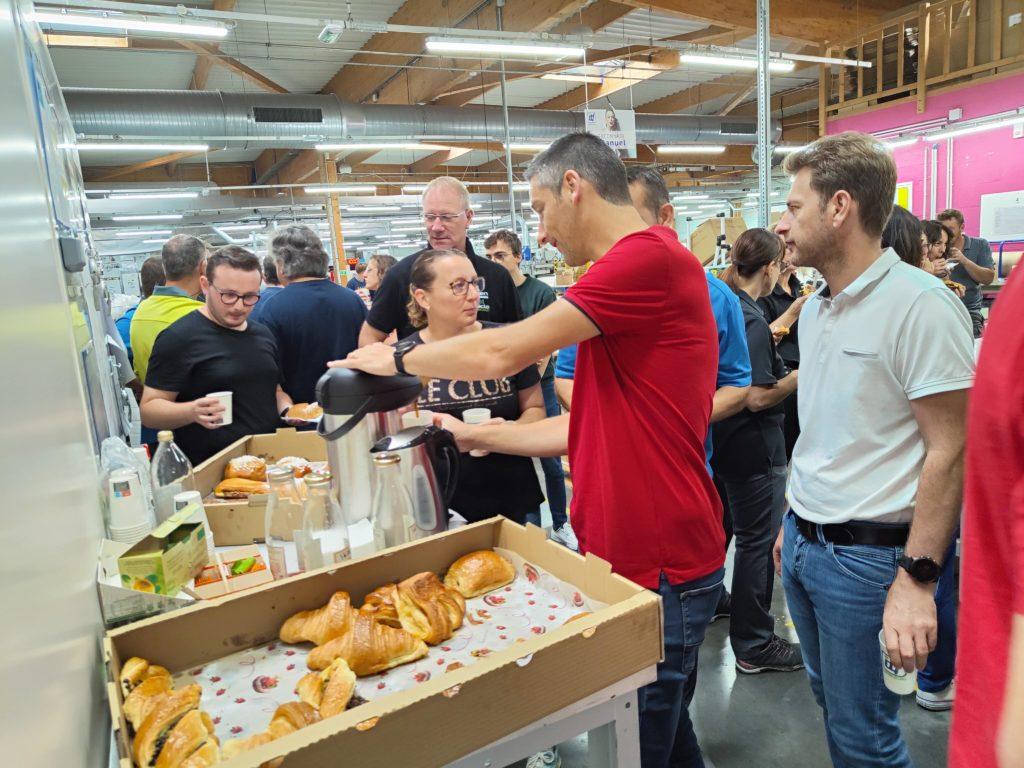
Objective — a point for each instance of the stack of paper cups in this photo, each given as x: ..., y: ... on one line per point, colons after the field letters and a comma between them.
x: 130, y: 517
x: 476, y: 416
x: 182, y: 500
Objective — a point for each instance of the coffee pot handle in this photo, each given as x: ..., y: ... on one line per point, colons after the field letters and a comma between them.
x: 345, y: 428
x: 449, y: 453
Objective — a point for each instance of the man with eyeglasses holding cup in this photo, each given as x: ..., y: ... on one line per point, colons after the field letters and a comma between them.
x: 216, y: 349
x: 447, y: 217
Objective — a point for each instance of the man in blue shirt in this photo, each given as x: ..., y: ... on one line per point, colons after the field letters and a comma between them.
x: 271, y: 282
x: 358, y: 280
x: 313, y: 319
x: 151, y: 274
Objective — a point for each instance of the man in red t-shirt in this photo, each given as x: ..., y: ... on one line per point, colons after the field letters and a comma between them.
x: 988, y: 719
x: 645, y: 380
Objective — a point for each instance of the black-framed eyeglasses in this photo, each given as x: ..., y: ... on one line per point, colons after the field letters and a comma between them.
x: 444, y: 218
x: 230, y: 298
x: 461, y: 287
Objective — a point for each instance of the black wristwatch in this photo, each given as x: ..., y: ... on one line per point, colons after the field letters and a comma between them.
x: 922, y: 569
x: 402, y: 348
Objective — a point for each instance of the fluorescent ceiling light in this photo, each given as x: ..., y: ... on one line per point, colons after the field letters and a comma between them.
x: 407, y: 229
x: 129, y: 146
x: 735, y: 62
x: 991, y: 125
x: 145, y: 233
x: 593, y: 79
x: 691, y: 149
x: 787, y: 150
x: 128, y: 23
x: 898, y: 143
x: 417, y: 220
x: 371, y: 208
x: 410, y: 189
x: 691, y: 197
x: 526, y: 147
x: 155, y: 196
x: 378, y: 145
x: 341, y: 188
x: 239, y: 227
x: 154, y: 242
x: 149, y: 217
x: 494, y: 47
x: 828, y: 60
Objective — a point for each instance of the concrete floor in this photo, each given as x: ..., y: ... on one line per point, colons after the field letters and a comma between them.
x: 770, y: 720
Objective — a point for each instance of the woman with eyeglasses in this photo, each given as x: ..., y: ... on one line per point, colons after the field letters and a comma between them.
x: 377, y: 266
x: 444, y: 294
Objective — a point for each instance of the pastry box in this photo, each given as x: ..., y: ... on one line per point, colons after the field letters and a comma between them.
x: 539, y: 668
x: 235, y: 522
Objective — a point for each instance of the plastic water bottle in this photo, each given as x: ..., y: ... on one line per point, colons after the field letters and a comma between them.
x: 325, y: 532
x: 283, y: 518
x: 171, y: 472
x: 391, y: 512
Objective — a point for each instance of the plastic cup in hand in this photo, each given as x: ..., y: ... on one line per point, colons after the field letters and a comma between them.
x: 897, y: 679
x: 476, y: 416
x: 225, y: 399
x: 421, y: 419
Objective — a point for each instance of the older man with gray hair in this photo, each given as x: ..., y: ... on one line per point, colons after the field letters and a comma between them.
x: 447, y: 216
x: 313, y: 319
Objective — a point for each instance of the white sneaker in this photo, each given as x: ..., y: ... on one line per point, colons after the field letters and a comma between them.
x: 566, y: 537
x: 940, y: 701
x: 547, y: 759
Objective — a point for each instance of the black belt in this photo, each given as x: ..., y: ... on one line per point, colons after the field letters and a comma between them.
x: 874, y: 534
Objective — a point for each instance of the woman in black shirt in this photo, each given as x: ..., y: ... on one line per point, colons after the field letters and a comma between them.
x: 749, y: 459
x: 444, y: 294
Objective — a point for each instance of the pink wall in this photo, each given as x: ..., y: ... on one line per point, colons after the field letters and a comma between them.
x: 992, y: 161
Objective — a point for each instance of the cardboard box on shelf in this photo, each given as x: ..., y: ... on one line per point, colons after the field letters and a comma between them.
x: 449, y: 715
x: 240, y: 521
x: 167, y: 558
x: 121, y: 604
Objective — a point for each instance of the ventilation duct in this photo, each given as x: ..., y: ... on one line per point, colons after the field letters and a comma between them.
x: 244, y: 120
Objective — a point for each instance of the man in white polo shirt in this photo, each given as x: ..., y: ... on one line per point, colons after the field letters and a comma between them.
x: 876, y: 476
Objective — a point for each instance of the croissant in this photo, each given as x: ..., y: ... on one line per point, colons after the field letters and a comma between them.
x: 329, y: 691
x: 152, y: 735
x: 135, y: 670
x: 144, y: 697
x: 428, y: 609
x: 479, y: 572
x: 321, y: 624
x: 368, y: 647
x: 208, y: 754
x: 247, y: 468
x: 381, y: 604
x: 193, y: 732
x: 288, y: 718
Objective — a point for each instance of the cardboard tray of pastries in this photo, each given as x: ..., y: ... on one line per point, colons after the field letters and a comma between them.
x: 253, y: 710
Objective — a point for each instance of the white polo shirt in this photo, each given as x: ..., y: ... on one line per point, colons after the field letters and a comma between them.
x: 895, y: 334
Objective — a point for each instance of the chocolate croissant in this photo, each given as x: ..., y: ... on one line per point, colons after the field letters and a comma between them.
x: 194, y: 732
x: 479, y: 572
x: 320, y: 624
x: 368, y: 647
x: 428, y: 609
x: 381, y: 604
x: 329, y: 691
x: 136, y: 670
x: 288, y: 718
x: 151, y: 737
x: 144, y: 697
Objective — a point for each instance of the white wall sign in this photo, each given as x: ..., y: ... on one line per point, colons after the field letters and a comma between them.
x: 1002, y: 216
x: 617, y: 127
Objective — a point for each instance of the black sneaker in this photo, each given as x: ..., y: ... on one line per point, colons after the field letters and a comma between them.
x: 778, y: 656
x: 724, y: 608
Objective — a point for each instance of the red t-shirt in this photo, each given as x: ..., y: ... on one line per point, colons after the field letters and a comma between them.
x: 992, y: 573
x: 642, y: 496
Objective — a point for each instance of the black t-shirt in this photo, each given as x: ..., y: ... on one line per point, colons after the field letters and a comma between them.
x: 774, y: 305
x: 751, y: 443
x: 195, y: 357
x: 313, y: 322
x: 496, y: 484
x: 499, y: 301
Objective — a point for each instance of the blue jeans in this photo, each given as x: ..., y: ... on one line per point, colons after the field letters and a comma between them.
x: 667, y: 739
x: 938, y: 673
x: 836, y: 595
x: 554, y: 477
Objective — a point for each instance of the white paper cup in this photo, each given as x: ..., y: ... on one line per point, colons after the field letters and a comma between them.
x: 412, y: 419
x: 897, y: 680
x: 225, y: 400
x: 476, y: 416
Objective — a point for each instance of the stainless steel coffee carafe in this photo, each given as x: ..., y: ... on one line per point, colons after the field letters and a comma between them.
x: 430, y: 469
x: 359, y: 410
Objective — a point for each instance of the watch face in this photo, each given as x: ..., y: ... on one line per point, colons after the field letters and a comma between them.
x: 925, y: 569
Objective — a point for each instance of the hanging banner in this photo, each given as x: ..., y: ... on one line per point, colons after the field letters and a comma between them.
x: 617, y: 127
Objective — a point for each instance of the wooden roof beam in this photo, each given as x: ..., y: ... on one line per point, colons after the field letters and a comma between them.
x: 204, y: 64
x: 212, y: 52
